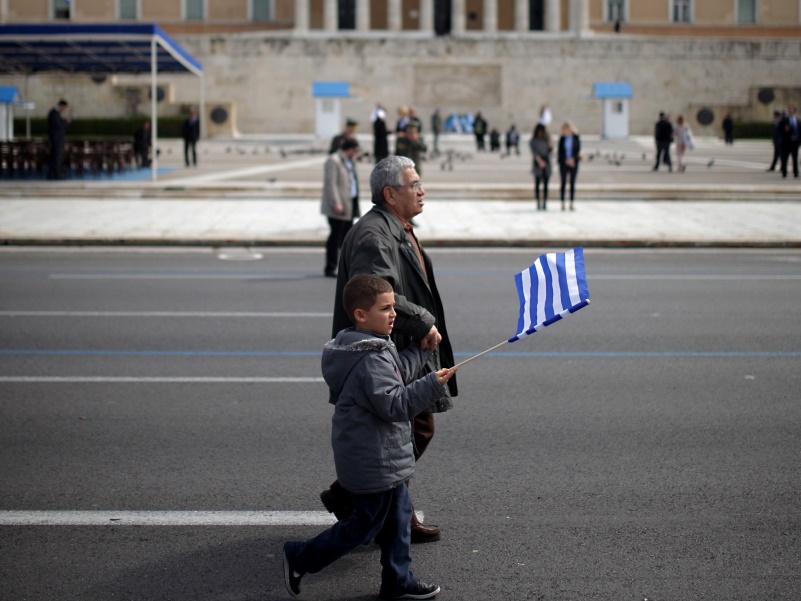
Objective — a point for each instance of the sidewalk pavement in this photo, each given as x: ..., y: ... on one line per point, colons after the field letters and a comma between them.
x: 262, y: 192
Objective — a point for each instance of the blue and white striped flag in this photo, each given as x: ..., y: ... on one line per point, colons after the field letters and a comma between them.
x: 552, y: 287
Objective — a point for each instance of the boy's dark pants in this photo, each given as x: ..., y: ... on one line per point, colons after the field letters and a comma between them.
x: 384, y: 516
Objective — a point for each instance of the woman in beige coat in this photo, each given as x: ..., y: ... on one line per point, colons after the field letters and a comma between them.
x: 340, y: 202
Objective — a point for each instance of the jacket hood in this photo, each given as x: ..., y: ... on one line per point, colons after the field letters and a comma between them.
x: 341, y: 354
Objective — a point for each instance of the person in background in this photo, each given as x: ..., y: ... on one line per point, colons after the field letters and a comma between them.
x: 191, y: 134
x: 512, y: 141
x: 348, y: 133
x: 57, y: 132
x: 777, y: 140
x: 663, y: 136
x: 545, y: 117
x: 541, y: 148
x: 791, y: 132
x: 495, y: 140
x: 684, y: 141
x: 436, y: 128
x: 479, y: 131
x: 340, y: 201
x: 142, y: 144
x: 403, y: 119
x: 728, y: 129
x: 569, y: 157
x: 380, y: 142
x: 411, y: 145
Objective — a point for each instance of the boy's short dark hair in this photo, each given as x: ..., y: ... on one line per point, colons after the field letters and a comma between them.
x: 361, y: 291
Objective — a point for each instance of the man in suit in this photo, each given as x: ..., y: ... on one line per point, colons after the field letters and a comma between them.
x: 191, y: 134
x: 56, y: 131
x: 777, y: 140
x: 663, y: 136
x: 790, y: 130
x: 340, y: 202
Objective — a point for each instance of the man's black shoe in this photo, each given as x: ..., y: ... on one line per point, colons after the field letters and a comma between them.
x: 421, y: 590
x: 291, y: 578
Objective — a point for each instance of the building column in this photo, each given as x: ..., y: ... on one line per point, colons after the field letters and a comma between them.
x: 330, y: 15
x: 394, y: 18
x: 362, y: 15
x: 490, y: 16
x: 553, y: 15
x: 301, y: 16
x: 579, y: 16
x: 458, y: 18
x: 427, y: 15
x: 522, y: 15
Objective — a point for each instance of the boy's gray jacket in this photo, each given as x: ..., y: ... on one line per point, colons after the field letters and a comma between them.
x: 371, y: 433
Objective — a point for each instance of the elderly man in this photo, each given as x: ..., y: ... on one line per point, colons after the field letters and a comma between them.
x: 383, y: 243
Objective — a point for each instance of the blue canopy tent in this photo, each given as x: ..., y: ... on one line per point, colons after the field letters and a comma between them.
x: 97, y: 49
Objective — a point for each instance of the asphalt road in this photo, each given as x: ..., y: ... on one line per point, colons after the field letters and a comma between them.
x: 647, y: 446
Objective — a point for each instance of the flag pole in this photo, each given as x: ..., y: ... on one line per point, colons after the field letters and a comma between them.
x: 489, y: 350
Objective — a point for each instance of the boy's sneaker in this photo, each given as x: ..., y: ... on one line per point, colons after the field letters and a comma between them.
x: 291, y: 578
x: 421, y: 590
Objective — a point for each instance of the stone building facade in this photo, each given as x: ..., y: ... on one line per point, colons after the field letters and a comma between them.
x: 503, y: 57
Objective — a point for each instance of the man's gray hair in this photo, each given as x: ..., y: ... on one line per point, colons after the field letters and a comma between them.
x: 388, y: 172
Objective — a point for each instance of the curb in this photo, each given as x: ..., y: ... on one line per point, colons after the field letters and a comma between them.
x: 429, y: 243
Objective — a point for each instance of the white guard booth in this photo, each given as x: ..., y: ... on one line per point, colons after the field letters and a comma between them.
x: 9, y: 98
x: 614, y: 98
x: 327, y: 106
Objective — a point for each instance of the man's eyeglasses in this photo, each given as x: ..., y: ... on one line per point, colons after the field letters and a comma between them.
x: 415, y: 186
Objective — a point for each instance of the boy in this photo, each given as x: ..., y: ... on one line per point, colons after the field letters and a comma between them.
x: 371, y: 437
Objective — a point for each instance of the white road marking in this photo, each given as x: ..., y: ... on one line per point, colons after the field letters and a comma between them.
x: 166, y: 518
x: 701, y: 277
x: 159, y: 380
x: 169, y: 518
x: 77, y: 276
x: 161, y: 314
x: 173, y: 276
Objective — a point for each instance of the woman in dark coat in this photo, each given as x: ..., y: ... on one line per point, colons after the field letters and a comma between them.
x: 541, y: 148
x: 569, y: 157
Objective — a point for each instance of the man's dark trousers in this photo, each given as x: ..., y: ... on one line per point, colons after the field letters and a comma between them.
x: 663, y: 149
x: 190, y: 145
x: 384, y: 517
x: 339, y: 229
x: 56, y: 158
x: 790, y: 150
x: 776, y: 155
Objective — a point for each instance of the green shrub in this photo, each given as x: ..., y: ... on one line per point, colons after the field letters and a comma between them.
x: 753, y: 129
x: 116, y: 127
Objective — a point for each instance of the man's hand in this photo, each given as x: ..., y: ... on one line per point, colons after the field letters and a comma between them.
x: 445, y: 374
x: 339, y: 209
x: 432, y: 339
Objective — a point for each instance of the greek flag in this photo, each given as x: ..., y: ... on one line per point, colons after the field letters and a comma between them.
x: 552, y: 287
